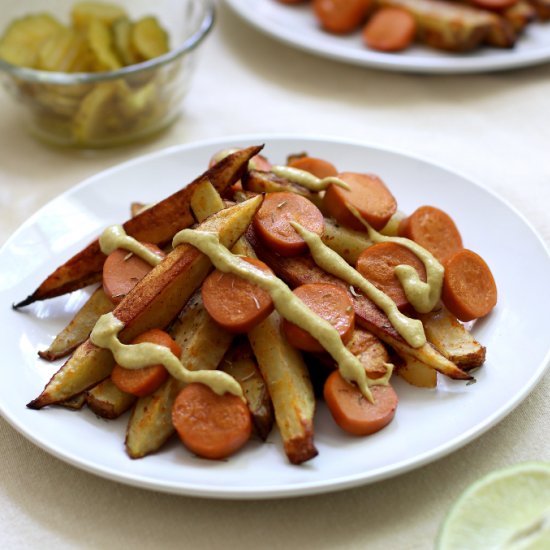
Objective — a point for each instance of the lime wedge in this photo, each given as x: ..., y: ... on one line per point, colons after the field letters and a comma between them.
x: 506, y: 510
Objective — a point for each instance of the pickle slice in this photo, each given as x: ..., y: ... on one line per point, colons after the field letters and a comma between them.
x: 65, y: 51
x: 122, y: 31
x: 93, y: 117
x: 100, y: 41
x: 149, y: 39
x: 23, y: 39
x: 135, y: 102
x: 83, y: 13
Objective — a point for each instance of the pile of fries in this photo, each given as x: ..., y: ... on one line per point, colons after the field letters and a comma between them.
x: 277, y: 380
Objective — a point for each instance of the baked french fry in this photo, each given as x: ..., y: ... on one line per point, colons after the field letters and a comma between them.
x: 287, y: 379
x: 267, y: 182
x: 156, y: 224
x: 520, y: 15
x: 203, y: 344
x: 447, y: 26
x: 152, y: 303
x: 107, y: 401
x: 299, y: 270
x: 205, y: 201
x: 415, y: 372
x: 452, y: 340
x: 239, y: 362
x: 370, y: 351
x: 79, y: 327
x: 75, y: 403
x: 348, y: 243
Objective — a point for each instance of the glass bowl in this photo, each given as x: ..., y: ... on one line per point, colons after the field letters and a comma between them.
x: 102, y: 109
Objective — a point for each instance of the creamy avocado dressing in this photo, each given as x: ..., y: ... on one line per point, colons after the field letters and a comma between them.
x: 307, y: 179
x: 137, y: 356
x: 287, y: 304
x: 423, y: 296
x: 410, y: 329
x: 115, y: 237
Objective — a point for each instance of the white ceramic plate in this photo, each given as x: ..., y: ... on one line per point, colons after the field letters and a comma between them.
x: 428, y: 424
x: 297, y: 26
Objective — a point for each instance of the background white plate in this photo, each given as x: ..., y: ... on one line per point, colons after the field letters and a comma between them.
x: 296, y: 25
x: 429, y: 424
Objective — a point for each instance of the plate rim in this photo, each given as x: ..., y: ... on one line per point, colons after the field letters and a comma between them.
x: 459, y: 64
x: 312, y: 487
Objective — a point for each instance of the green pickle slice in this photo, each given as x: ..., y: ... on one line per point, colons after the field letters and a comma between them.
x: 23, y: 39
x: 149, y: 39
x: 100, y: 41
x: 83, y: 13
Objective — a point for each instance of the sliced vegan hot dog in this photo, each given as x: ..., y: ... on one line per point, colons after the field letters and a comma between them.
x: 341, y: 16
x: 122, y: 270
x: 367, y: 193
x: 330, y: 302
x: 210, y: 425
x: 377, y: 264
x: 235, y: 303
x: 469, y: 289
x: 433, y: 229
x: 355, y: 414
x: 390, y: 30
x: 272, y: 222
x: 144, y: 381
x: 318, y: 167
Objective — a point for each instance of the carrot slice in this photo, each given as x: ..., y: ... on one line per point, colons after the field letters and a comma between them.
x: 235, y: 303
x: 367, y: 193
x: 122, y: 270
x: 353, y: 412
x: 144, y: 381
x: 341, y: 16
x: 210, y: 425
x: 390, y: 30
x: 469, y: 289
x: 377, y: 263
x: 330, y: 302
x: 318, y: 167
x: 434, y: 230
x: 272, y: 222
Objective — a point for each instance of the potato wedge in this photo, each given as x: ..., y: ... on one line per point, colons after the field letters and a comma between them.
x: 302, y: 269
x: 205, y: 201
x: 75, y: 403
x: 287, y: 379
x: 446, y: 25
x: 107, y: 401
x: 415, y: 372
x: 153, y: 303
x: 157, y: 224
x: 239, y: 362
x: 203, y: 344
x: 370, y: 351
x: 348, y: 243
x: 452, y: 340
x: 79, y: 327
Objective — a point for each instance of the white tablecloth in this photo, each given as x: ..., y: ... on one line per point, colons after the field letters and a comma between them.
x: 492, y: 128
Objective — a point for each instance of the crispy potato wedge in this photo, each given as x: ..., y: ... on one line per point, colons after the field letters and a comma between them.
x: 348, y: 243
x: 107, y: 401
x: 370, y: 351
x: 203, y: 344
x: 299, y: 270
x: 205, y: 201
x: 153, y: 303
x: 150, y: 424
x: 156, y: 224
x: 239, y: 362
x: 287, y: 379
x: 415, y: 372
x: 452, y: 340
x: 542, y: 7
x: 75, y: 403
x: 451, y: 26
x: 267, y: 182
x: 520, y: 15
x: 79, y: 327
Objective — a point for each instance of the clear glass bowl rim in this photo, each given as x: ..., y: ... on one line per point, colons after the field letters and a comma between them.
x: 51, y: 77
